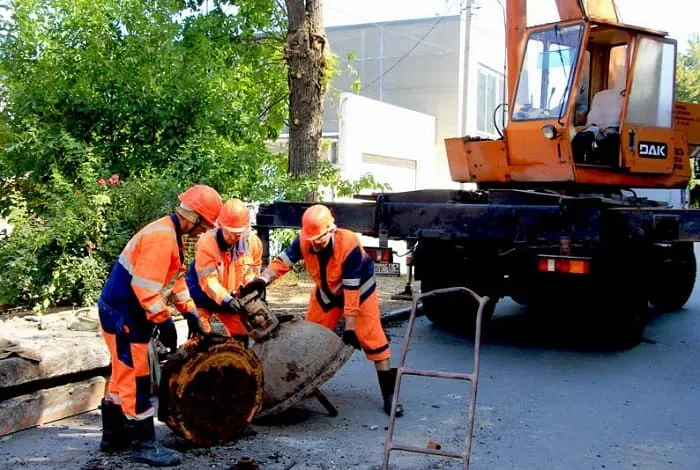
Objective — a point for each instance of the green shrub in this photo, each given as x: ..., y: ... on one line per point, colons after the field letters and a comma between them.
x: 64, y: 255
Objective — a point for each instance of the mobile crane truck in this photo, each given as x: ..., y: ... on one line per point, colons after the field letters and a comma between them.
x: 591, y: 114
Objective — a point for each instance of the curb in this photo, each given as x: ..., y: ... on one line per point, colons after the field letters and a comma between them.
x: 400, y: 314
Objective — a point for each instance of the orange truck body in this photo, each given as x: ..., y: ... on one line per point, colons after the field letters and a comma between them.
x: 607, y: 55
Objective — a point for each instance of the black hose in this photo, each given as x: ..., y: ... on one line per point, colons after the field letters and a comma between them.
x: 495, y: 122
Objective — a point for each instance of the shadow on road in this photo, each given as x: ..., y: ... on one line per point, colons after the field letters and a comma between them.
x: 534, y: 328
x: 289, y: 417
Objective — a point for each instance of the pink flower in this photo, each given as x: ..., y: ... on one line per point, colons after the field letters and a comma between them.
x: 101, y: 182
x: 114, y: 179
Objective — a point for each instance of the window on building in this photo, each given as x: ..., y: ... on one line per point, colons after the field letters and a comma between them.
x: 489, y: 86
x: 329, y: 150
x: 333, y: 152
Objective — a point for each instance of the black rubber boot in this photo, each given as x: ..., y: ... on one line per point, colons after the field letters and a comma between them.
x: 114, y: 436
x: 149, y: 451
x: 387, y: 380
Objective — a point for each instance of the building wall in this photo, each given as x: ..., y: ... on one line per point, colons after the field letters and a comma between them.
x: 416, y: 64
x: 395, y: 66
x: 394, y: 144
x: 485, y: 69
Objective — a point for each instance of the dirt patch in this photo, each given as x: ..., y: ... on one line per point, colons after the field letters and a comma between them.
x: 291, y: 293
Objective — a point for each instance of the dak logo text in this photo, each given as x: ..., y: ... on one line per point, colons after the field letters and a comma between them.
x: 653, y: 149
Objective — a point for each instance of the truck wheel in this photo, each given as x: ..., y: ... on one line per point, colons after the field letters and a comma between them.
x: 620, y: 301
x: 674, y: 277
x: 455, y: 311
x: 521, y: 298
x: 627, y: 318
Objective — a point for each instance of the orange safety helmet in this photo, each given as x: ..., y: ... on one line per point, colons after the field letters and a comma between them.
x: 204, y: 200
x: 234, y: 216
x: 316, y: 222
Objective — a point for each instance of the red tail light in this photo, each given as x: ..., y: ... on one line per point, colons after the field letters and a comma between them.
x: 563, y: 264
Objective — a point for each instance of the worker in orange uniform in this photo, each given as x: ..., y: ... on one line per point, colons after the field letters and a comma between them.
x: 345, y: 287
x: 133, y: 302
x: 225, y: 260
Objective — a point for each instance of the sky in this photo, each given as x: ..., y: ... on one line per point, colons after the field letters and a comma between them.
x: 673, y: 16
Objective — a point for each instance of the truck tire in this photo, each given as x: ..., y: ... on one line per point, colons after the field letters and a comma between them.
x: 626, y: 319
x: 454, y: 311
x: 521, y: 298
x: 621, y: 298
x: 674, y: 271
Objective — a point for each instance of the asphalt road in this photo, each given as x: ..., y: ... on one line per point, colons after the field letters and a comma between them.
x: 547, y: 400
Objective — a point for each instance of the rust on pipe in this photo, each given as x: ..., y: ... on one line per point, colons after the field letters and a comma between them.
x: 298, y: 358
x: 210, y: 390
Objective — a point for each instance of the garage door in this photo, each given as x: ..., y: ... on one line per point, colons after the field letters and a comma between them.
x: 399, y: 173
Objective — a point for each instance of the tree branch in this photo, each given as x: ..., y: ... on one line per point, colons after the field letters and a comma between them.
x: 271, y: 105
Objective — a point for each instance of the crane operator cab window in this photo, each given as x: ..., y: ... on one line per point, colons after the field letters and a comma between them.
x: 605, y: 89
x: 547, y: 73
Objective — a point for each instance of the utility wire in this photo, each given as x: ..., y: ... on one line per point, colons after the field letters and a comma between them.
x: 418, y: 43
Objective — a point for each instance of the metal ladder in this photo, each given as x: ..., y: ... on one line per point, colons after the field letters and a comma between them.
x: 389, y: 444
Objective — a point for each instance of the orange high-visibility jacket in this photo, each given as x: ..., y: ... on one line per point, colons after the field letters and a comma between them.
x: 148, y: 271
x: 220, y: 270
x: 343, y: 272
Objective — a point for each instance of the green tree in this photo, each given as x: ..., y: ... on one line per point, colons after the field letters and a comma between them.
x: 144, y: 89
x: 158, y: 92
x: 688, y: 73
x: 135, y: 84
x: 688, y: 89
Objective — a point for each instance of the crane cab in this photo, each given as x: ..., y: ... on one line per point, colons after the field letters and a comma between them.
x: 593, y: 104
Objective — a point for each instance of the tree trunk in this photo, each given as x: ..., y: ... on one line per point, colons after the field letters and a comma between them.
x: 304, y: 53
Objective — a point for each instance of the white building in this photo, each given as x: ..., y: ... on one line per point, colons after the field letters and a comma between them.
x: 448, y: 67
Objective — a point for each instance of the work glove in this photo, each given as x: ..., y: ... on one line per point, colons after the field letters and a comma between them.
x: 167, y: 334
x: 194, y: 325
x: 233, y: 304
x: 256, y: 285
x: 350, y: 338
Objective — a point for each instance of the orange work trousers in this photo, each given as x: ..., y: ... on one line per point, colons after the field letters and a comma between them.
x: 368, y: 325
x: 127, y: 339
x: 234, y: 325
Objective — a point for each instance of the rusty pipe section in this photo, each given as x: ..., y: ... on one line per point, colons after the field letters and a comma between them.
x: 214, y: 386
x: 210, y: 390
x: 298, y: 358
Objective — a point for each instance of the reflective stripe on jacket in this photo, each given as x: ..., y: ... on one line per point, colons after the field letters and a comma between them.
x: 148, y: 271
x: 342, y: 266
x: 218, y: 271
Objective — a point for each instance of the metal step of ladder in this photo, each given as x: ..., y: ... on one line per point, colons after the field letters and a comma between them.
x: 473, y: 378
